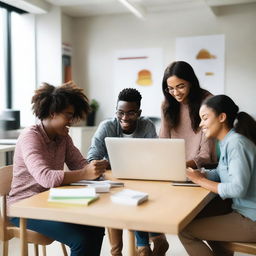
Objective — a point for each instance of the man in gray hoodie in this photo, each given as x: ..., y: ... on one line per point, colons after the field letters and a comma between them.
x: 127, y: 123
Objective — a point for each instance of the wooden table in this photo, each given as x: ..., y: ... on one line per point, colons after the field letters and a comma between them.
x: 168, y: 210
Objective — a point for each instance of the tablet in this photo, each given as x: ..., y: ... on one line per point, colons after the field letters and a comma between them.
x: 187, y: 183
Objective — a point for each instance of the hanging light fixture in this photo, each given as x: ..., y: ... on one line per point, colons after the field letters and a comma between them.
x: 137, y: 10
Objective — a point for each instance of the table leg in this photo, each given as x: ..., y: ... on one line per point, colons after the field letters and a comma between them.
x: 23, y: 237
x: 131, y: 243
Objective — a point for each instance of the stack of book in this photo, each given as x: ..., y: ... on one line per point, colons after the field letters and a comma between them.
x: 129, y: 197
x: 112, y: 184
x: 100, y: 188
x: 80, y: 196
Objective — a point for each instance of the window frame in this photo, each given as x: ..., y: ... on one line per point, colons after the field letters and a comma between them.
x: 8, y: 50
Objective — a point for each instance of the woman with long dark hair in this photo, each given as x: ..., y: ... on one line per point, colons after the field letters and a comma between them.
x: 180, y: 119
x: 234, y: 178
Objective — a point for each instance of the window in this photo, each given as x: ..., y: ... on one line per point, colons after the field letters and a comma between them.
x: 3, y: 82
x: 17, y: 61
x: 23, y: 65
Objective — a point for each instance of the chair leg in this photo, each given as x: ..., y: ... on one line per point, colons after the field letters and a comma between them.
x: 64, y: 250
x: 5, y: 248
x: 36, y: 250
x: 44, y: 250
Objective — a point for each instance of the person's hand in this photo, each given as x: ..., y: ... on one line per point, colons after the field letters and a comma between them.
x: 194, y: 175
x: 95, y: 169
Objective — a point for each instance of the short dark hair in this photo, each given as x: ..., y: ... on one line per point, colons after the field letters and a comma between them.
x: 49, y: 99
x: 130, y: 95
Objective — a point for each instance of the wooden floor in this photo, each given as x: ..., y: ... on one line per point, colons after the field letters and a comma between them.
x: 176, y: 249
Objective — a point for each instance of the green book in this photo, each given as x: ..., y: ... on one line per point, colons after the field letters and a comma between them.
x: 73, y: 201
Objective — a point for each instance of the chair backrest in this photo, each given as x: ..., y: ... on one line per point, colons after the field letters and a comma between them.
x: 5, y: 180
x: 5, y: 186
x: 249, y: 248
x: 7, y: 232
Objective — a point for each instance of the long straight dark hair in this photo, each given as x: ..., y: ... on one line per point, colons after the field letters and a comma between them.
x: 241, y: 121
x: 196, y: 95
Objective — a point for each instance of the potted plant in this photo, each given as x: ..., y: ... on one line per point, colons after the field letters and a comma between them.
x: 94, y: 106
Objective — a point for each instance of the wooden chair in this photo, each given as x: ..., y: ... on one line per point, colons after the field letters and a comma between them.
x: 249, y: 248
x: 8, y: 231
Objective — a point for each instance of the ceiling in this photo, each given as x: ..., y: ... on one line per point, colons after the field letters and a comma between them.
x: 82, y: 8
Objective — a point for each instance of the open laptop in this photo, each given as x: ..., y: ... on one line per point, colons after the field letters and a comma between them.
x: 147, y: 159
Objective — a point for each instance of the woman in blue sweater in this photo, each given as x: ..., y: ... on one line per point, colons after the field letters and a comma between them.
x: 234, y: 178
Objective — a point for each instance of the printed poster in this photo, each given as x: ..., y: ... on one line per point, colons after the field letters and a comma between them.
x: 141, y: 69
x: 206, y: 55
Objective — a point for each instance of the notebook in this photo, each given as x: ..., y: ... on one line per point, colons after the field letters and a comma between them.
x: 83, y: 196
x: 147, y: 159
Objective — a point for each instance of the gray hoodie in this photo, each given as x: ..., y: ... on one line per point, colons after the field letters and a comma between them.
x: 111, y: 128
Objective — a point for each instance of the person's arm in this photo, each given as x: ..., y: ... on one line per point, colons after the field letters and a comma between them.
x: 237, y: 173
x: 33, y: 154
x: 80, y: 168
x: 238, y: 170
x: 165, y: 128
x: 150, y: 129
x: 206, y: 152
x: 98, y: 148
x: 191, y: 164
x: 200, y: 178
x: 90, y: 171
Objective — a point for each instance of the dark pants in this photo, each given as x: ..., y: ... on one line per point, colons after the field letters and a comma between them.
x: 143, y: 237
x: 82, y: 240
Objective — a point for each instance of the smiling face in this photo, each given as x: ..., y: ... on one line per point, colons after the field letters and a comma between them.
x: 127, y: 114
x: 213, y: 125
x: 178, y: 88
x: 60, y: 122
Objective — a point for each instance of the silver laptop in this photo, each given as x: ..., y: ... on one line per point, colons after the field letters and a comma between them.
x: 147, y: 159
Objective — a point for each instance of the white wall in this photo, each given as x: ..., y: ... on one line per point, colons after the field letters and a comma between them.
x: 67, y: 29
x: 96, y: 39
x: 48, y: 51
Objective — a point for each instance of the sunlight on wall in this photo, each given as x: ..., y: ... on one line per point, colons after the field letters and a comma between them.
x: 2, y: 60
x: 23, y: 65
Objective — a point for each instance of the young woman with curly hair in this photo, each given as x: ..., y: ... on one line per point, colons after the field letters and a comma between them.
x: 39, y: 158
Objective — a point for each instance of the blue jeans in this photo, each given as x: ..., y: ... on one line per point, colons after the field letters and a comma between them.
x: 143, y: 237
x: 82, y: 240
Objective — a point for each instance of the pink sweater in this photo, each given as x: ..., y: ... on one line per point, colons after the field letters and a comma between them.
x: 197, y: 147
x: 39, y: 162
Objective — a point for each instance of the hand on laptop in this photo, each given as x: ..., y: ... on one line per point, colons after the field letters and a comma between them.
x: 194, y: 175
x: 95, y: 169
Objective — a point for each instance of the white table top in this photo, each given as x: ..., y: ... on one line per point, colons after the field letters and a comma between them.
x: 8, y: 141
x: 6, y: 148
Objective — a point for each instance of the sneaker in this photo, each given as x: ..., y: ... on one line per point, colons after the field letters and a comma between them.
x: 144, y: 251
x: 161, y: 245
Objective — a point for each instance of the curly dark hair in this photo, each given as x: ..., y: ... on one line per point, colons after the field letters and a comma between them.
x: 49, y: 99
x: 171, y: 108
x: 130, y: 95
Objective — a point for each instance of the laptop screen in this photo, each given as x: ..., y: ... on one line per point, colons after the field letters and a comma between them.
x: 147, y: 159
